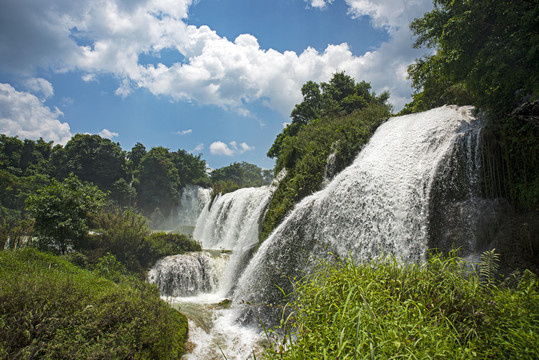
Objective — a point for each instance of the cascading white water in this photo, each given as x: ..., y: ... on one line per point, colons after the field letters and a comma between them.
x: 188, y: 274
x: 231, y: 223
x: 380, y: 204
x: 199, y: 281
x: 193, y: 199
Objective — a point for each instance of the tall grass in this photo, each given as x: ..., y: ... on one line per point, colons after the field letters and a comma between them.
x: 52, y: 309
x: 389, y: 310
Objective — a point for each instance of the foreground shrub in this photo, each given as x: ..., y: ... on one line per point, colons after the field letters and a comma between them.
x: 387, y: 310
x: 52, y: 309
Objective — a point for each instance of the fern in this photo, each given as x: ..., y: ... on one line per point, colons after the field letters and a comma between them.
x: 488, y: 266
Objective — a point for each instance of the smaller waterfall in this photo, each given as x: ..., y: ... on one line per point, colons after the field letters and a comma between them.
x: 232, y: 223
x: 183, y: 219
x: 188, y: 274
x: 198, y: 282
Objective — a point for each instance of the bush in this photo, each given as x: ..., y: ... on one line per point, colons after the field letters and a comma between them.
x: 161, y: 244
x: 51, y: 309
x: 386, y: 309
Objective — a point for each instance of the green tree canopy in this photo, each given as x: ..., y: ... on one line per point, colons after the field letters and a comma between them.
x: 240, y: 174
x: 191, y: 168
x: 94, y: 159
x: 62, y: 212
x: 486, y: 52
x: 340, y: 97
x: 158, y: 181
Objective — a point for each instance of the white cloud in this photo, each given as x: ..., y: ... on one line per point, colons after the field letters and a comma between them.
x: 183, y: 132
x: 40, y: 86
x: 23, y: 114
x: 198, y: 148
x: 107, y: 36
x: 319, y: 3
x: 389, y: 13
x: 107, y: 134
x: 89, y: 77
x: 220, y: 148
x: 230, y: 149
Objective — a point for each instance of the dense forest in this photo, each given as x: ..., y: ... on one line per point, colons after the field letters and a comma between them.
x: 148, y: 180
x: 84, y: 212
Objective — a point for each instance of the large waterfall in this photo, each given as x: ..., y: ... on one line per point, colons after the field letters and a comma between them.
x: 378, y: 205
x: 393, y: 199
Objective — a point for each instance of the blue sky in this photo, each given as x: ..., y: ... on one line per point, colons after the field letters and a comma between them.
x: 217, y: 77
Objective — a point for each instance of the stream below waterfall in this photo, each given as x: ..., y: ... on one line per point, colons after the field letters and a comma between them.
x: 381, y: 204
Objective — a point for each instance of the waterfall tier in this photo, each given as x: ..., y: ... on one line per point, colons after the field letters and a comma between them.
x: 188, y: 274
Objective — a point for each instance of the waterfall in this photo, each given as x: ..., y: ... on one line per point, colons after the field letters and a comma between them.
x: 199, y: 281
x: 193, y: 199
x: 188, y: 274
x: 231, y: 223
x: 378, y: 205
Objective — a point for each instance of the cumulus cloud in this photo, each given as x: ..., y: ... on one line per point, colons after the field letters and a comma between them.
x: 23, y: 114
x: 40, y: 86
x: 230, y: 149
x: 108, y: 36
x: 107, y: 134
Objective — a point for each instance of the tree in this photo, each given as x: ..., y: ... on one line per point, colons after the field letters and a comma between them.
x: 340, y: 97
x: 242, y: 174
x: 135, y: 156
x: 487, y: 50
x: 191, y: 168
x: 63, y: 211
x: 122, y: 232
x: 94, y: 159
x: 158, y: 181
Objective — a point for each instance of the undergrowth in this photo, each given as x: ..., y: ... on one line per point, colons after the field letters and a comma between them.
x: 52, y: 309
x: 389, y: 310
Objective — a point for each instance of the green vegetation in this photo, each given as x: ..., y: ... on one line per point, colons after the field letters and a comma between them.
x: 147, y: 180
x: 487, y: 55
x: 340, y: 119
x: 388, y: 310
x: 62, y: 212
x: 239, y: 175
x: 52, y: 309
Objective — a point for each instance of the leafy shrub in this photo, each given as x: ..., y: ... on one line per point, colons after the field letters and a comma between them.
x: 51, y: 309
x: 386, y: 309
x: 62, y: 213
x: 162, y: 244
x: 122, y: 233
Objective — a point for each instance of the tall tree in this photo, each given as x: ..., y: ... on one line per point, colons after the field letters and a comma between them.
x: 340, y: 97
x: 158, y: 182
x: 94, y: 159
x: 63, y: 211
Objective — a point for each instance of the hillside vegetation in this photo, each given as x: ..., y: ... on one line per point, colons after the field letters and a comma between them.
x: 52, y: 309
x: 328, y: 129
